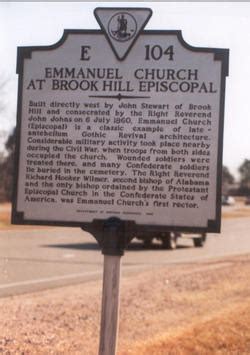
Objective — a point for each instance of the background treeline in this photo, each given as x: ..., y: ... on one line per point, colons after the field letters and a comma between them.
x: 229, y: 185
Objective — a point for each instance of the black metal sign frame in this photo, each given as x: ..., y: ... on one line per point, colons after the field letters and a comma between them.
x: 131, y: 227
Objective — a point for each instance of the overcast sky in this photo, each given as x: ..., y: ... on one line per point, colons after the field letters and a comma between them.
x: 211, y: 24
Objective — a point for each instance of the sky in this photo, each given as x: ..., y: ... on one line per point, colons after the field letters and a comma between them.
x: 203, y: 24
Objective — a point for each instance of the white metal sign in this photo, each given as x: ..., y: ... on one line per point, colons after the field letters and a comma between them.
x: 120, y: 122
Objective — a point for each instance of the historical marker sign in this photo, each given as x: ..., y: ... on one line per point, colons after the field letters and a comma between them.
x: 120, y: 122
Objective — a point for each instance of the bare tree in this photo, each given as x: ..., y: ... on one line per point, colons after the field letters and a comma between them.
x: 7, y: 157
x: 3, y: 84
x: 6, y: 169
x: 244, y: 171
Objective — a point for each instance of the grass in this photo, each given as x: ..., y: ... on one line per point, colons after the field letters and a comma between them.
x: 238, y: 212
x: 226, y: 333
x: 5, y: 215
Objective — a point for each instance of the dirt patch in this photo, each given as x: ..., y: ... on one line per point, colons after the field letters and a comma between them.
x: 178, y: 308
x: 5, y: 220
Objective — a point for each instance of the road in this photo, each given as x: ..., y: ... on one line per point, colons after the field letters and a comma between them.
x: 34, y: 258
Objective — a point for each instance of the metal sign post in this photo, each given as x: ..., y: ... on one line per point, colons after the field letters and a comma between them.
x: 111, y: 284
x: 113, y: 236
x: 110, y: 305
